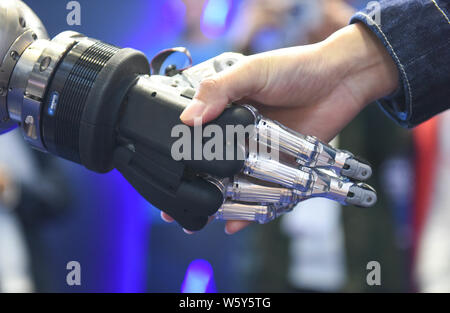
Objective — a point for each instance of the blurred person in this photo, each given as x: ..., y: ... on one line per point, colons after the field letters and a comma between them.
x: 317, y: 243
x: 314, y: 228
x: 318, y: 89
x: 205, y: 36
x: 15, y: 275
x: 205, y: 32
x: 32, y: 190
x: 310, y: 251
x: 382, y: 233
x: 432, y: 266
x: 265, y: 25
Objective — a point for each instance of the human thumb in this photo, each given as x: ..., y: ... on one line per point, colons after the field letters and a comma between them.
x: 216, y: 92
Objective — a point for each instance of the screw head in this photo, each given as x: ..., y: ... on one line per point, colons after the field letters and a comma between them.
x: 14, y: 55
x: 45, y: 63
x: 22, y: 22
x: 29, y: 120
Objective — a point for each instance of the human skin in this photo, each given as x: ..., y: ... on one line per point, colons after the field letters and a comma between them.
x: 316, y: 89
x: 4, y: 182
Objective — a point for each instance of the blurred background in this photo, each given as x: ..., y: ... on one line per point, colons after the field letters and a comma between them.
x: 53, y: 212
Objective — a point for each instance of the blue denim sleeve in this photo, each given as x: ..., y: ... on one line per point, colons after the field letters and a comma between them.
x: 417, y: 35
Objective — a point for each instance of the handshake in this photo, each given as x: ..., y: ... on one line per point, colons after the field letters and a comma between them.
x: 243, y: 166
x: 96, y: 104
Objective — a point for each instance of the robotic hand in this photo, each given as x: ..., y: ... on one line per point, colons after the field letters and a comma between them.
x: 97, y: 105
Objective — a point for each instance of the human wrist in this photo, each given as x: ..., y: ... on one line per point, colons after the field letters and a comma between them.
x: 365, y: 64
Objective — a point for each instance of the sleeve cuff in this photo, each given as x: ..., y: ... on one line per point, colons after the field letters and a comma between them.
x: 398, y: 105
x: 417, y: 36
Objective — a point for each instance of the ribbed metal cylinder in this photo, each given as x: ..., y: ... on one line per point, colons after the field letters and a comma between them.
x: 68, y: 93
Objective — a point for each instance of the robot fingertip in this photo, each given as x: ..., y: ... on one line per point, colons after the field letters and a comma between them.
x: 362, y: 195
x: 357, y: 169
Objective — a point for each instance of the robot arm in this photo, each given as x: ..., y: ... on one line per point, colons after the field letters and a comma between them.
x: 97, y: 105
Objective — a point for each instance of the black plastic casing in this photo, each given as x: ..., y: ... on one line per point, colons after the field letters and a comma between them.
x: 173, y: 186
x: 96, y: 115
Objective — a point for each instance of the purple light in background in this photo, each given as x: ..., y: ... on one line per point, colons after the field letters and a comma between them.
x: 215, y: 17
x: 132, y: 236
x: 166, y: 21
x: 267, y: 39
x: 199, y: 278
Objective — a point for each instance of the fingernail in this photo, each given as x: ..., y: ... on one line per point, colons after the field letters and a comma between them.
x: 187, y: 231
x: 227, y: 231
x: 193, y: 111
x: 163, y: 217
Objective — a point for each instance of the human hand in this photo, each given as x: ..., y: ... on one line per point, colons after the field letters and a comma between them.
x: 316, y: 90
